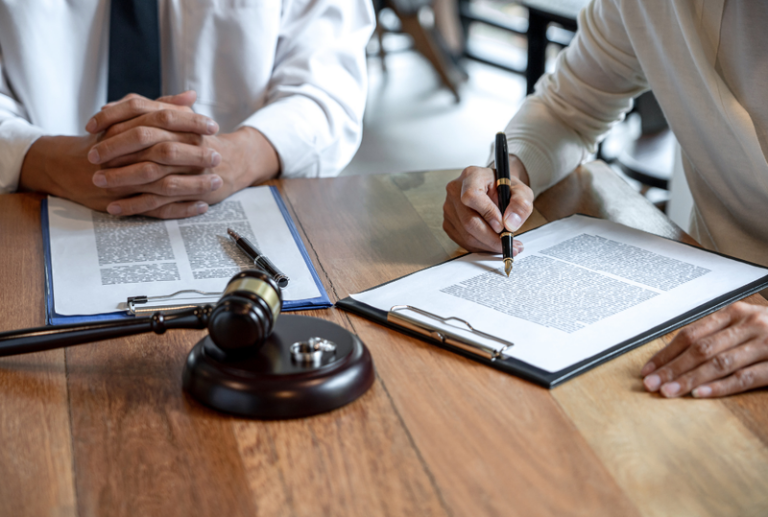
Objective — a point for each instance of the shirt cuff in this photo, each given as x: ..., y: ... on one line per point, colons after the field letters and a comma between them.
x: 16, y: 137
x: 290, y: 125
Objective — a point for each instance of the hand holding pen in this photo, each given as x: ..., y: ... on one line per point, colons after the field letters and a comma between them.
x: 471, y: 214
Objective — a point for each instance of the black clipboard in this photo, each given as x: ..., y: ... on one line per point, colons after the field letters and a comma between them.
x: 551, y: 379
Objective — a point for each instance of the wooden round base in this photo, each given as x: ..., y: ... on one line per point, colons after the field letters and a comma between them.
x: 271, y: 384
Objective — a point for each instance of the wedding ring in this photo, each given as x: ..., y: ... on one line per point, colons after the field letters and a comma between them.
x: 311, y: 351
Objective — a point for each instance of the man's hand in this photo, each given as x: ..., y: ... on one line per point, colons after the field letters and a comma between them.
x: 59, y: 165
x: 722, y: 354
x: 163, y: 156
x: 471, y: 215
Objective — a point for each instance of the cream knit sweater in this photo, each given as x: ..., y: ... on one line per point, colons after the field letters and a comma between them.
x: 707, y: 64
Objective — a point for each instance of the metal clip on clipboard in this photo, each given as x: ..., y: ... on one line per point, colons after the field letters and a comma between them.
x: 396, y: 317
x: 137, y: 300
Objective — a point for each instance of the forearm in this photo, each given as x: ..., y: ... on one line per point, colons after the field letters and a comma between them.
x: 592, y: 87
x: 35, y: 173
x: 57, y: 165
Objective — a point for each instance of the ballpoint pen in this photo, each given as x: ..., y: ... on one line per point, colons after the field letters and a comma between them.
x: 503, y: 191
x: 259, y: 259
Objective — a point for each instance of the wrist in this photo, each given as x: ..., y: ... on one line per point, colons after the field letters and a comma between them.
x: 249, y: 157
x: 34, y: 170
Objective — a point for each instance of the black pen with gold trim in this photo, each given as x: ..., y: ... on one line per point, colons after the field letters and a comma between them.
x: 260, y: 260
x: 504, y: 191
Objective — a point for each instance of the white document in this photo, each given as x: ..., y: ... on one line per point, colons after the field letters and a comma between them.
x: 581, y: 286
x: 99, y: 260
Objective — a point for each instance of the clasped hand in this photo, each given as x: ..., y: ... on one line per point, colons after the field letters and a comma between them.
x: 722, y: 354
x: 150, y: 157
x: 156, y: 158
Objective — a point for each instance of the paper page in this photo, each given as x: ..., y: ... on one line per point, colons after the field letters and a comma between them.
x: 99, y: 260
x: 581, y: 286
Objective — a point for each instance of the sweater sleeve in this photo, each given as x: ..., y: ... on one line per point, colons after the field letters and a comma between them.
x: 592, y: 88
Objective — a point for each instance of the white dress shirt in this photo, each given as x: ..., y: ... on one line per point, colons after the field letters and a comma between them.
x: 707, y: 65
x: 293, y: 69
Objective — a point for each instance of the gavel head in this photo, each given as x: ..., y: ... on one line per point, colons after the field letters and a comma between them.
x: 244, y: 316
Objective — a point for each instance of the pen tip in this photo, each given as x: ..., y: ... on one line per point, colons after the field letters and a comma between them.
x: 232, y: 233
x: 507, y: 266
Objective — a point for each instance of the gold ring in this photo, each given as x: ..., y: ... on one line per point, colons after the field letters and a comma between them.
x: 503, y: 181
x: 505, y: 234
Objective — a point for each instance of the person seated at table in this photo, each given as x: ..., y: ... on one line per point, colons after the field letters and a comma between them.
x: 707, y: 66
x: 268, y: 88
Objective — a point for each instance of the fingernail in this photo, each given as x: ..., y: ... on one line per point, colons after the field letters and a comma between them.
x: 93, y: 155
x: 201, y: 207
x: 216, y: 183
x: 496, y: 225
x: 91, y: 126
x: 670, y: 388
x: 652, y: 382
x: 213, y: 127
x: 513, y: 221
x: 114, y: 209
x: 702, y: 391
x: 99, y: 179
x: 648, y: 368
x: 215, y: 159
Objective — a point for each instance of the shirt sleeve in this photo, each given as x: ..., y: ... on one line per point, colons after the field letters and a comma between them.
x: 17, y: 134
x: 314, y: 111
x: 592, y: 88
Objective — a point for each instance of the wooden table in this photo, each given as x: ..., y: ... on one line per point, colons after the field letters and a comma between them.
x: 104, y: 429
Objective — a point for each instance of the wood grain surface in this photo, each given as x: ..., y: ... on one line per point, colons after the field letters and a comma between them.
x: 481, y: 432
x: 104, y: 428
x: 36, y: 476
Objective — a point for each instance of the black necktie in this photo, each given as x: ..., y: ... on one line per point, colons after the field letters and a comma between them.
x: 134, y: 49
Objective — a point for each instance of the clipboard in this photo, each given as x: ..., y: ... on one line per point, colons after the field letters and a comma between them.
x: 52, y: 318
x: 396, y: 319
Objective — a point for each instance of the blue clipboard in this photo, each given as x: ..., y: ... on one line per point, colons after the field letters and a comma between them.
x: 51, y: 318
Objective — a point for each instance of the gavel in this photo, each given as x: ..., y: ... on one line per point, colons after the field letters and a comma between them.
x: 250, y: 364
x: 238, y: 324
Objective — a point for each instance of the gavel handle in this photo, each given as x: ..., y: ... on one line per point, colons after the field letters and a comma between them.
x: 46, y: 338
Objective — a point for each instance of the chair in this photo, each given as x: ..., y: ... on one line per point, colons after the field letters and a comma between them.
x: 427, y: 41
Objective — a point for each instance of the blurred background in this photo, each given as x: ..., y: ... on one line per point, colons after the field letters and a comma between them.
x: 446, y: 75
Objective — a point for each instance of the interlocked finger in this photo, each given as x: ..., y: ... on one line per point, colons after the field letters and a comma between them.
x: 179, y: 210
x: 132, y: 141
x: 168, y: 119
x: 121, y: 179
x: 131, y: 106
x: 152, y: 144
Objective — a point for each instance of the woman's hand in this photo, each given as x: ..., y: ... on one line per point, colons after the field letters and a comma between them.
x: 722, y: 354
x: 471, y: 215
